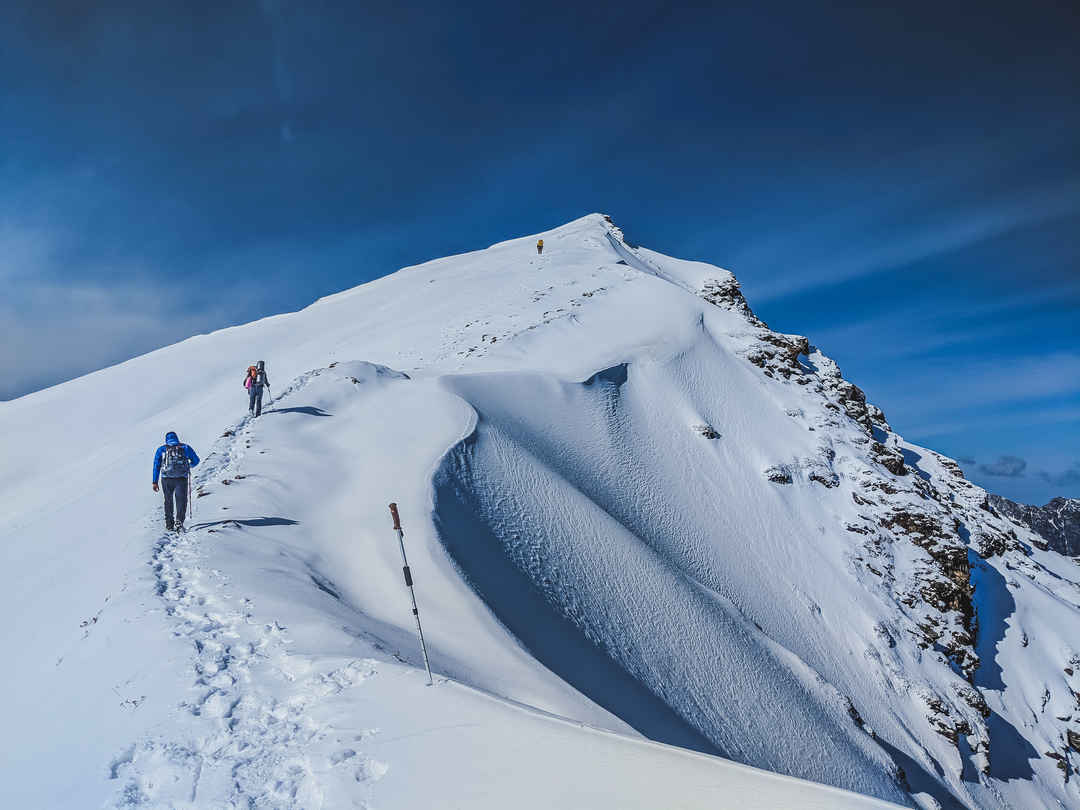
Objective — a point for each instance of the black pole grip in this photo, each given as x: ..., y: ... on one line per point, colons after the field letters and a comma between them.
x: 408, y: 575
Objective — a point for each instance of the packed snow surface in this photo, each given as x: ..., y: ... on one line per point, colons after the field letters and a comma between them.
x: 664, y: 557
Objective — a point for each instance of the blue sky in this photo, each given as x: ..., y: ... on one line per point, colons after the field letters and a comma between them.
x: 901, y: 185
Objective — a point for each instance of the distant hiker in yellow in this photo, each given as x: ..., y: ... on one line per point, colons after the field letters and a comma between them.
x: 539, y: 246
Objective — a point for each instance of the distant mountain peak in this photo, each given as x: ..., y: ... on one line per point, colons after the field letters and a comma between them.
x: 1057, y: 523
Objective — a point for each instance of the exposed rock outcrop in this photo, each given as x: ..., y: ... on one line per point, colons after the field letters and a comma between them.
x: 726, y: 293
x: 888, y: 457
x: 779, y: 354
x: 845, y: 395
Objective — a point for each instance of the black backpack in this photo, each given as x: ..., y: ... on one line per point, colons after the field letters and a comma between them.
x: 175, y: 463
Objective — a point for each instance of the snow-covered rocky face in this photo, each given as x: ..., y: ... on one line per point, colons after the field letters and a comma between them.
x: 1057, y: 523
x: 626, y: 502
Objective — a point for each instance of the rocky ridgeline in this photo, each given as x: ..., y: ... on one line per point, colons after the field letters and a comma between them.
x: 1057, y: 523
x: 917, y: 521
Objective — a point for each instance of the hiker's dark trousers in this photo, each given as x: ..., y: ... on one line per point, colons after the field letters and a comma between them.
x: 255, y: 399
x: 175, y: 488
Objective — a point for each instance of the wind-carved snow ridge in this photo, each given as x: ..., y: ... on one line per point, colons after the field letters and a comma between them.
x: 533, y: 516
x: 632, y: 510
x: 559, y: 510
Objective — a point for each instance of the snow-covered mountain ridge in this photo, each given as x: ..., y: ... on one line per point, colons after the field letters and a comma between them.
x: 1057, y: 522
x: 629, y: 503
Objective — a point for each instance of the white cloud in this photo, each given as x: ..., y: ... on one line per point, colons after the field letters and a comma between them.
x: 57, y: 331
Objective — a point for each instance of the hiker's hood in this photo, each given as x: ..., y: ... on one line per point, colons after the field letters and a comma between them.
x: 171, y: 439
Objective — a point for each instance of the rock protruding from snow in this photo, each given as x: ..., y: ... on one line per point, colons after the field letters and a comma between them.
x: 724, y: 291
x: 845, y: 395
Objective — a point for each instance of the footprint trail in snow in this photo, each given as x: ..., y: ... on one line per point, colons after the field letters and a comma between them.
x: 245, y: 735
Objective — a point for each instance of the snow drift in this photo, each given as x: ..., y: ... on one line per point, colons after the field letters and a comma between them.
x: 632, y: 510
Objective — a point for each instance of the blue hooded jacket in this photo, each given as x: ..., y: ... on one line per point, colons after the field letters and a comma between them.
x: 171, y: 440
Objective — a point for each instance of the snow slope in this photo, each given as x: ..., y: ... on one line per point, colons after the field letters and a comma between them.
x: 631, y: 509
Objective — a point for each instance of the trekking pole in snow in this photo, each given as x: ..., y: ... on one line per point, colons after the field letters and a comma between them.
x: 271, y: 405
x: 409, y: 583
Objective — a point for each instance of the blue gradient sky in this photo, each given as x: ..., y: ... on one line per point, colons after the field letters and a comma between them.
x: 901, y: 185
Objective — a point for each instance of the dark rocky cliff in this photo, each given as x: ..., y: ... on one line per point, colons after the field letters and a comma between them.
x: 1058, y: 523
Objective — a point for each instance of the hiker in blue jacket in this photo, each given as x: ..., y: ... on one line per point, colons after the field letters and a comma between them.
x: 173, y: 462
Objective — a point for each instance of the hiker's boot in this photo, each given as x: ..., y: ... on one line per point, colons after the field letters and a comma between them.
x: 168, y: 525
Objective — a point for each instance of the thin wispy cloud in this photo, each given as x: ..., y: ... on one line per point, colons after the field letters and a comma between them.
x: 1005, y: 467
x: 916, y: 329
x: 23, y: 250
x: 985, y: 383
x: 55, y: 332
x: 955, y: 230
x: 1067, y: 480
x: 276, y: 14
x: 988, y: 420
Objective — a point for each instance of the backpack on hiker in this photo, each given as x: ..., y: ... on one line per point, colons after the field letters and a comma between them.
x: 175, y: 462
x: 250, y: 377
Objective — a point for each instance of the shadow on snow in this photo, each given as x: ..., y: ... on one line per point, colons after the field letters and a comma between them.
x: 257, y: 522
x: 309, y: 410
x: 549, y: 636
x: 1010, y: 753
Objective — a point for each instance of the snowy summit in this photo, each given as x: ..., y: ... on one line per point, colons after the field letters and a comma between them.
x: 665, y: 557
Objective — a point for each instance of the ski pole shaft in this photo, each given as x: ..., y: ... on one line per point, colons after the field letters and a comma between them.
x: 409, y: 583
